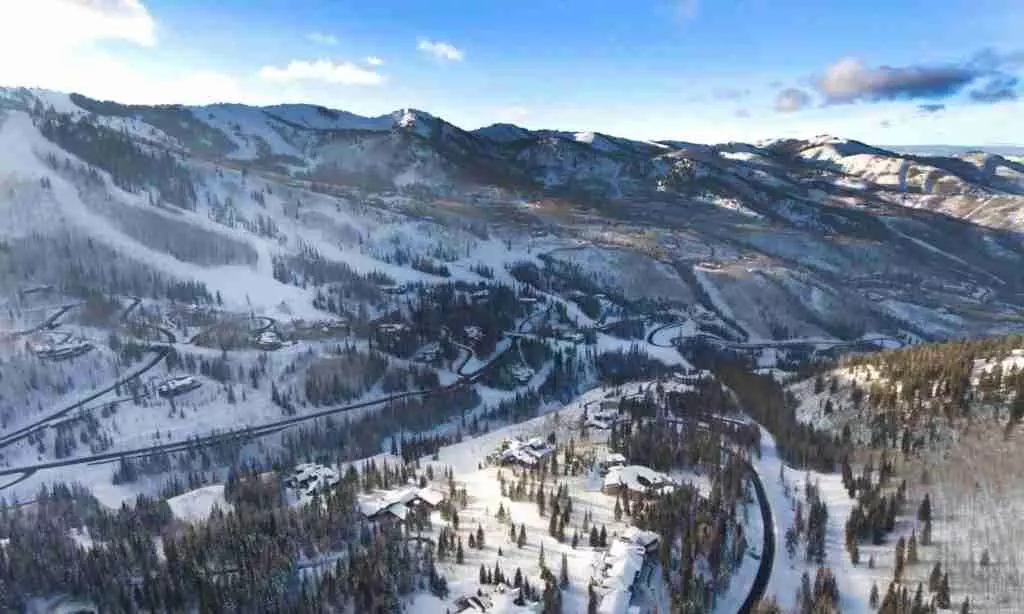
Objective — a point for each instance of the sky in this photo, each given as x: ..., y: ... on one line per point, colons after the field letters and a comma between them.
x: 892, y: 72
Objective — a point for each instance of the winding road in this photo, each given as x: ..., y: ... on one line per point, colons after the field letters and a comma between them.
x: 246, y: 434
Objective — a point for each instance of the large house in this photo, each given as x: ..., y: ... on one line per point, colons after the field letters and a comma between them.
x: 621, y: 567
x: 525, y: 453
x: 637, y: 479
x: 396, y: 504
x: 177, y: 386
x: 311, y: 478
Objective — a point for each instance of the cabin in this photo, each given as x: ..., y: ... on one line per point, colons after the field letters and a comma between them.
x: 176, y: 386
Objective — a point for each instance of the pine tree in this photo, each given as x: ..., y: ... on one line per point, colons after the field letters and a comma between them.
x: 912, y: 549
x: 540, y: 560
x: 901, y: 548
x: 483, y: 574
x: 563, y: 575
x: 479, y: 537
x: 460, y: 555
x: 965, y: 607
x: 603, y: 541
x: 942, y: 596
x: 521, y: 540
x: 873, y: 599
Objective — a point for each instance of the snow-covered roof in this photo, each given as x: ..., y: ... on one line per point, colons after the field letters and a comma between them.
x: 615, y: 457
x: 397, y: 502
x: 638, y: 478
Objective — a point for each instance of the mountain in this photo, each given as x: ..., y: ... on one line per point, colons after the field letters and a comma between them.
x: 818, y: 238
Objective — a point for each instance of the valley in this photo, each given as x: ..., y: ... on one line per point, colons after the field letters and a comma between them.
x: 293, y: 359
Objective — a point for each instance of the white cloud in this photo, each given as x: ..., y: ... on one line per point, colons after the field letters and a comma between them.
x: 441, y: 50
x: 374, y: 61
x: 344, y: 73
x: 321, y: 38
x: 50, y: 27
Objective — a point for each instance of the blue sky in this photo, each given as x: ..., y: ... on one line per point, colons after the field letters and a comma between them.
x: 894, y: 72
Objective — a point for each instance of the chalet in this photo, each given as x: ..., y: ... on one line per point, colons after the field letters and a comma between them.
x: 176, y: 386
x: 521, y: 374
x: 310, y: 478
x: 391, y: 328
x: 472, y: 603
x: 637, y: 479
x: 621, y: 567
x: 268, y: 340
x: 428, y: 353
x: 613, y: 459
x: 62, y: 351
x: 692, y: 376
x: 525, y: 453
x: 602, y: 419
x: 396, y: 504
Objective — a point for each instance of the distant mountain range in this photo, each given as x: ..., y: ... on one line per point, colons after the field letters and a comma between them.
x: 823, y: 237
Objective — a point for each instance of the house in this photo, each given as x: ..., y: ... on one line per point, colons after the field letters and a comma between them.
x: 527, y: 300
x: 268, y: 340
x: 521, y: 374
x: 480, y: 295
x: 613, y: 459
x: 472, y: 603
x: 391, y: 328
x: 310, y: 478
x: 176, y: 386
x: 396, y: 504
x: 610, y: 404
x: 525, y: 453
x: 692, y: 376
x: 62, y: 351
x: 473, y: 333
x: 621, y: 567
x: 637, y: 479
x: 428, y: 353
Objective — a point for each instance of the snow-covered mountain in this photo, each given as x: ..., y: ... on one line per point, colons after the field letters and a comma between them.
x: 786, y: 238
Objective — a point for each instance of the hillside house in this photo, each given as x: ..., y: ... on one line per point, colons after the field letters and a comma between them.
x: 637, y: 479
x: 523, y: 453
x: 396, y: 504
x: 176, y: 386
x: 622, y: 566
x: 310, y: 478
x: 268, y: 340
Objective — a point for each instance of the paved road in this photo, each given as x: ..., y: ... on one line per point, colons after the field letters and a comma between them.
x: 15, y: 436
x: 247, y: 434
x: 49, y: 322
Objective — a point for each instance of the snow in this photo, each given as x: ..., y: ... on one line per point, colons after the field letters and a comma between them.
x: 196, y: 505
x: 854, y: 580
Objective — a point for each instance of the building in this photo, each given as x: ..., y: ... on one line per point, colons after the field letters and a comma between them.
x: 176, y: 386
x: 396, y: 504
x: 480, y: 295
x: 637, y: 479
x: 472, y: 603
x: 621, y: 567
x: 524, y: 453
x: 310, y: 478
x: 268, y: 340
x: 613, y: 459
x: 522, y: 374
